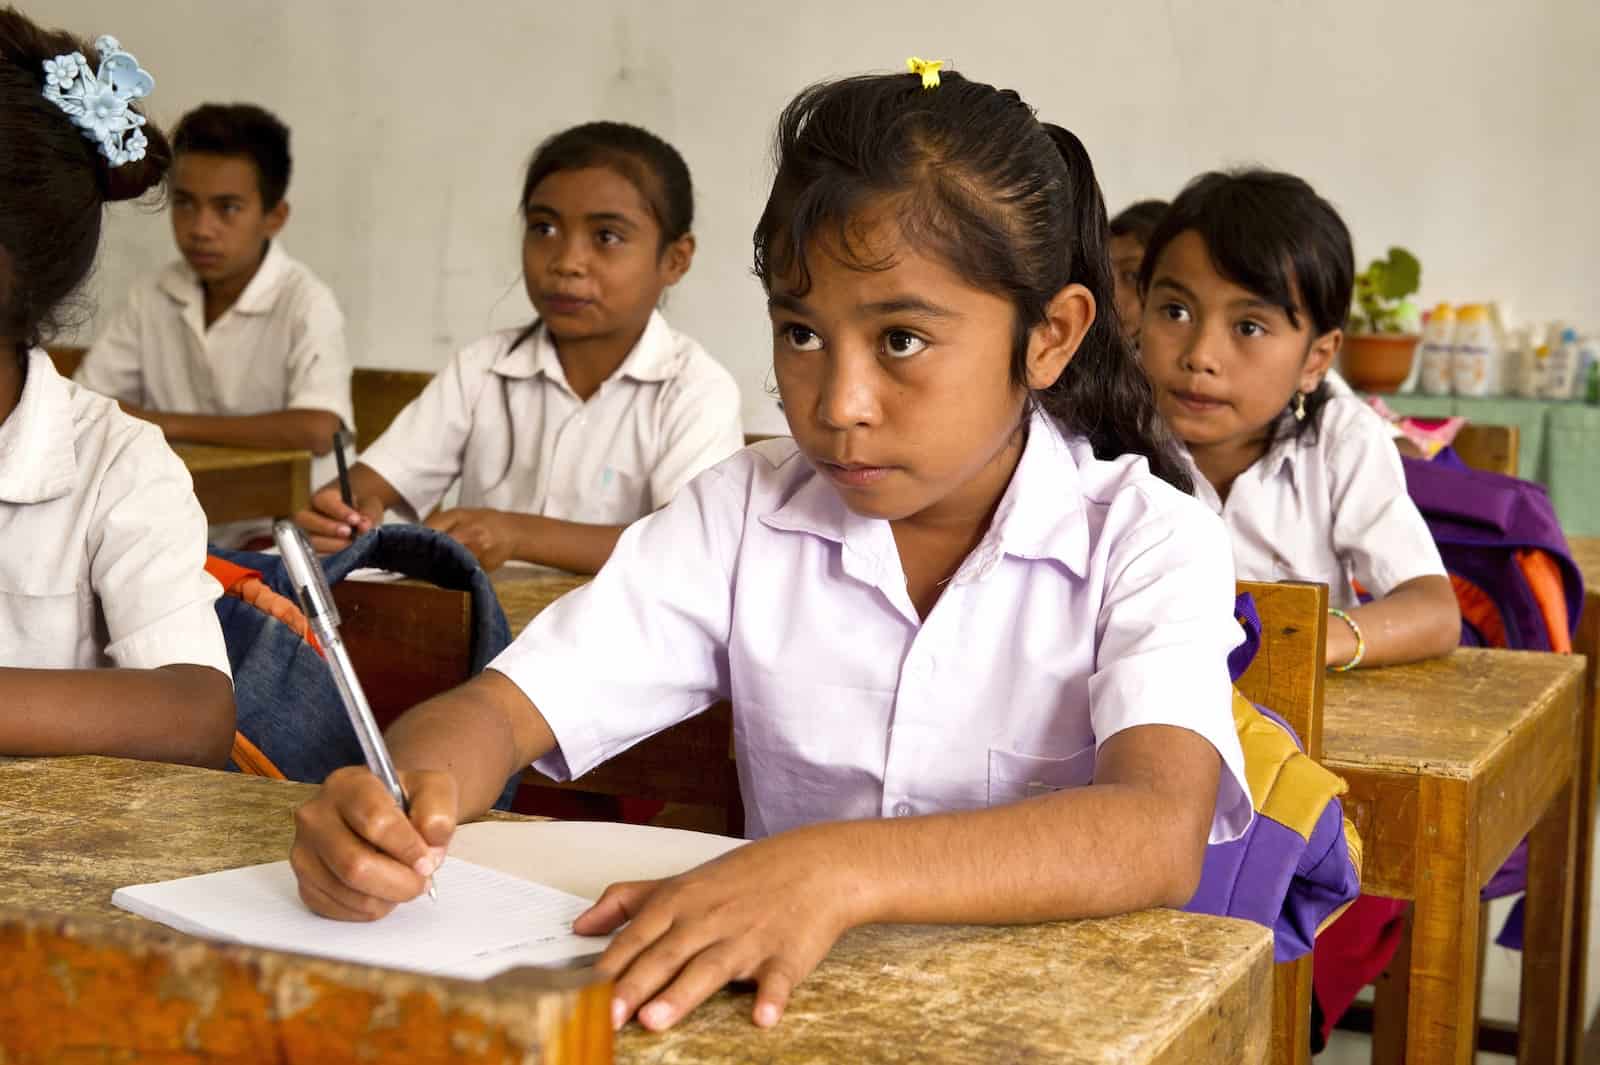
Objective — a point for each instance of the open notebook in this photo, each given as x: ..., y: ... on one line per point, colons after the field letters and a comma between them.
x: 508, y: 894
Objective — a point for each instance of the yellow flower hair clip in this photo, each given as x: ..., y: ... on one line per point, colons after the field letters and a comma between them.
x: 928, y: 68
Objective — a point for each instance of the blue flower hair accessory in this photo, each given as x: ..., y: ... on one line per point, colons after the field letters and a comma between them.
x: 98, y: 103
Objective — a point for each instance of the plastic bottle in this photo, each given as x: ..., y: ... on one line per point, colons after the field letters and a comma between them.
x: 1475, y: 358
x: 1591, y: 389
x: 1433, y: 353
x: 1588, y: 359
x: 1524, y: 366
x: 1561, y: 378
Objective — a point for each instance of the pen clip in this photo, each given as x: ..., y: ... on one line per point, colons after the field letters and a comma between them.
x: 305, y: 573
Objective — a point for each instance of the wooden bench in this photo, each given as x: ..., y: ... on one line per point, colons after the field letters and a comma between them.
x: 1492, y: 448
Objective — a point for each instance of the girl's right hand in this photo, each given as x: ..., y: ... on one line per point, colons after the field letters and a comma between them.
x: 357, y: 855
x: 330, y: 525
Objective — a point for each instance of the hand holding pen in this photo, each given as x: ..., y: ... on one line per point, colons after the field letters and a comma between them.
x: 316, y: 600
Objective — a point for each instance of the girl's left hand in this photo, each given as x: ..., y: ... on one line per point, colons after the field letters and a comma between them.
x: 767, y: 912
x: 490, y: 535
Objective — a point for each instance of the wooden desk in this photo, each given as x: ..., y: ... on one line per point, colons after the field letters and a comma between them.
x: 239, y: 483
x: 1586, y: 553
x: 1450, y: 763
x: 523, y: 595
x: 1155, y: 987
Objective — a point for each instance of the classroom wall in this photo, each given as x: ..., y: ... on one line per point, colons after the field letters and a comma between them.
x: 1465, y: 131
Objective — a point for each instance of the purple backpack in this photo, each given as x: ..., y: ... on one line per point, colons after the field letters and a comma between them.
x: 1291, y: 877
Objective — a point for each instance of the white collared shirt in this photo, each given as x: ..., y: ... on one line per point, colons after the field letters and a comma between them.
x: 279, y: 347
x: 1100, y: 599
x: 504, y: 422
x: 105, y: 543
x: 1333, y: 510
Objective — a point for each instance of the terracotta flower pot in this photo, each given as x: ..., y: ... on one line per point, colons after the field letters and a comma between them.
x: 1377, y: 362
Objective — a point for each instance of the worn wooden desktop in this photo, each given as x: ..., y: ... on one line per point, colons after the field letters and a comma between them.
x: 1153, y: 987
x: 1450, y: 763
x: 242, y: 483
x: 1586, y: 552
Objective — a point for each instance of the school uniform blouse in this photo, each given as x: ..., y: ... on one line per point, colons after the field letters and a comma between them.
x: 1100, y: 599
x: 1332, y: 509
x: 504, y: 422
x: 280, y: 346
x: 105, y: 543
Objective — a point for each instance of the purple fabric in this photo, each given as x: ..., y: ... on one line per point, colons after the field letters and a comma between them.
x: 1479, y: 520
x: 1239, y: 659
x: 1272, y: 876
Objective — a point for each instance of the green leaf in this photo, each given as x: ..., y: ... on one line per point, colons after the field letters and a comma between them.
x: 1399, y: 276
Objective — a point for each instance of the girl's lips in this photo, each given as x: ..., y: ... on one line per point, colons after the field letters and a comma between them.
x: 855, y: 476
x: 1197, y: 403
x: 565, y: 304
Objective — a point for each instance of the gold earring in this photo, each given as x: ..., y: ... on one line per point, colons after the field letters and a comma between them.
x: 1299, y: 406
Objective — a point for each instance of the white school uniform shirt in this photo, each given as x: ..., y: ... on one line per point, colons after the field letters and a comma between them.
x: 1100, y: 599
x: 279, y: 347
x: 106, y: 544
x: 503, y: 421
x: 1333, y: 509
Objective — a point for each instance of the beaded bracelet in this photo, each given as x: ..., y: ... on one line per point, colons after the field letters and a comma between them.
x: 1361, y: 641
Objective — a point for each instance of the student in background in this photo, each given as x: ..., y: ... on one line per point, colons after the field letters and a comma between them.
x: 563, y: 432
x: 109, y: 641
x: 1247, y: 284
x: 1130, y: 232
x: 972, y: 625
x: 236, y: 343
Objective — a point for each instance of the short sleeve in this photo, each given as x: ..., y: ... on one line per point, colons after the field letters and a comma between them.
x: 1165, y: 628
x: 645, y: 644
x: 1378, y: 533
x: 422, y: 451
x: 113, y: 366
x: 700, y: 427
x: 319, y: 363
x: 147, y: 546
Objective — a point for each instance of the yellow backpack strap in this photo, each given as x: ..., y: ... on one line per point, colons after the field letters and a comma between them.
x: 1285, y: 784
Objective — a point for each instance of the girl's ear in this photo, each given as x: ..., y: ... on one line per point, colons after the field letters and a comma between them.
x: 277, y: 218
x: 1323, y: 351
x: 675, y: 260
x: 1053, y: 342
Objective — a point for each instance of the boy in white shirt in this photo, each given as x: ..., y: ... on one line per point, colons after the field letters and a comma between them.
x: 236, y: 343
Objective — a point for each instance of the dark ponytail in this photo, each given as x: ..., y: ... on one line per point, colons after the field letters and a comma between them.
x: 1103, y: 394
x: 53, y: 185
x: 1009, y: 203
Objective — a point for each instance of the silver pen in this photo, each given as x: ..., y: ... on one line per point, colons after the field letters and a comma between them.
x: 316, y: 600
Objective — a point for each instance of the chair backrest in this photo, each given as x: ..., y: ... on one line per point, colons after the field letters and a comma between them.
x: 67, y: 359
x: 1287, y: 674
x: 408, y: 640
x: 379, y: 395
x: 1491, y: 448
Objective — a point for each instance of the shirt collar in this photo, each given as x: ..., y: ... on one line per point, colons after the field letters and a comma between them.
x: 652, y: 358
x: 1041, y: 514
x: 38, y: 452
x: 1283, y: 455
x: 181, y: 283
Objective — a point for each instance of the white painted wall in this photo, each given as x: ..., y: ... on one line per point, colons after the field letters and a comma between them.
x: 1468, y: 131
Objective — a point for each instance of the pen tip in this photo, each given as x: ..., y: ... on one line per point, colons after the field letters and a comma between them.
x: 433, y: 892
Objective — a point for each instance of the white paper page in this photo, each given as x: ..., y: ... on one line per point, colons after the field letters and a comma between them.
x: 585, y: 857
x: 484, y: 922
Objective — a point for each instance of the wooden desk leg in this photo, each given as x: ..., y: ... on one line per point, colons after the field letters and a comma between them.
x: 1440, y: 1028
x: 1588, y: 774
x: 1544, y: 1014
x: 1291, y: 1012
x: 1391, y: 1003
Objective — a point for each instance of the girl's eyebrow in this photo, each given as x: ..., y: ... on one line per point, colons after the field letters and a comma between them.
x: 912, y: 305
x: 1247, y: 303
x: 606, y: 217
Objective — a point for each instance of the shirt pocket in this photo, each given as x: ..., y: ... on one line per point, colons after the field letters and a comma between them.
x: 613, y: 495
x: 47, y: 621
x: 1014, y: 776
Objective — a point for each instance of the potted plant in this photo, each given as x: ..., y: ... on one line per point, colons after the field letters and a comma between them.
x: 1382, y: 339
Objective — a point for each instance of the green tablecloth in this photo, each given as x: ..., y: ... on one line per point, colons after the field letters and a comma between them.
x: 1558, y: 446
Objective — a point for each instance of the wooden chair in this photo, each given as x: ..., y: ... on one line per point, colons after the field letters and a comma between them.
x: 67, y: 359
x: 379, y: 395
x: 408, y: 641
x: 1491, y: 448
x: 1287, y: 677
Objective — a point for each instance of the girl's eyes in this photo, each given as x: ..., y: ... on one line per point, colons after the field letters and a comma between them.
x: 610, y: 237
x: 542, y: 229
x: 899, y: 344
x: 1175, y: 312
x: 1249, y: 328
x: 799, y: 338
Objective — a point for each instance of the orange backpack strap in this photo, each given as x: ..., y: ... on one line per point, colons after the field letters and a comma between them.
x: 1480, y: 611
x: 248, y: 757
x: 1550, y: 592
